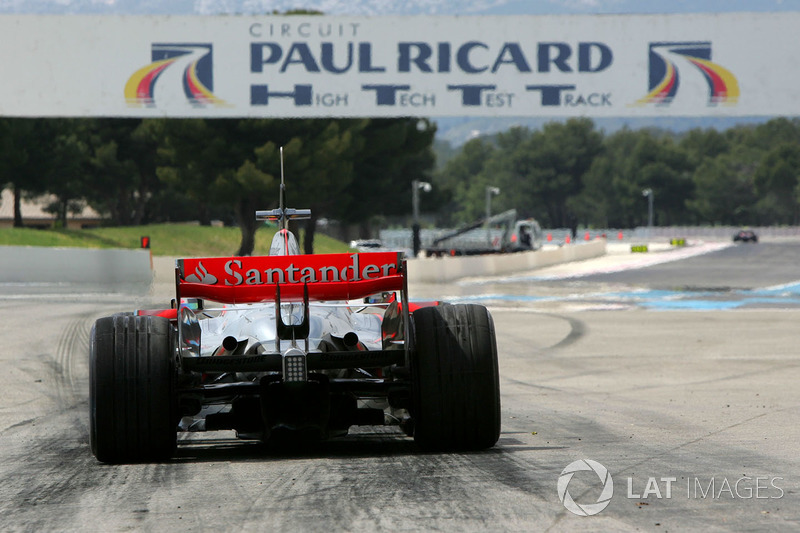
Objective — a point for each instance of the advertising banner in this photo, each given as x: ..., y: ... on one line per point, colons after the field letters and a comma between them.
x: 740, y: 64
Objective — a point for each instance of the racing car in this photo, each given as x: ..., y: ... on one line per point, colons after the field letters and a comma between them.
x: 745, y: 235
x: 291, y: 346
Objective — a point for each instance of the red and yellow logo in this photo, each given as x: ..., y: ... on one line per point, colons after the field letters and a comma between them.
x: 665, y: 62
x: 186, y: 67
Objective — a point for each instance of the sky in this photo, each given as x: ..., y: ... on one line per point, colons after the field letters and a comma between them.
x: 394, y: 7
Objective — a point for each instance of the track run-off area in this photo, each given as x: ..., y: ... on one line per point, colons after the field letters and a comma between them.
x: 651, y: 392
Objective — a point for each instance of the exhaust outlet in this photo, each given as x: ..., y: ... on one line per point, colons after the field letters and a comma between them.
x: 350, y: 340
x: 229, y: 344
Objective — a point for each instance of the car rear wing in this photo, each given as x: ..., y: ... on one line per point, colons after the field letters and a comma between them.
x: 234, y: 280
x: 277, y: 279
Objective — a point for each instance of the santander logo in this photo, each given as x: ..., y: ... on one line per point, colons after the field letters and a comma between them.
x: 334, y: 268
x: 201, y: 275
x: 237, y: 275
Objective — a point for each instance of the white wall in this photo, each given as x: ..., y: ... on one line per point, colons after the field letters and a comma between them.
x: 40, y: 264
x: 444, y: 269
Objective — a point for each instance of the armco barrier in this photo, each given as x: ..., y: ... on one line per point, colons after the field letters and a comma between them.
x: 444, y: 269
x: 41, y: 264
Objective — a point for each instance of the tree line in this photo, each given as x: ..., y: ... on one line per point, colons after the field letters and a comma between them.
x: 568, y: 174
x: 571, y: 174
x: 139, y: 171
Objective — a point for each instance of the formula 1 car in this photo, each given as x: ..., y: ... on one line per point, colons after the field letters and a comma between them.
x: 296, y: 346
x: 745, y: 235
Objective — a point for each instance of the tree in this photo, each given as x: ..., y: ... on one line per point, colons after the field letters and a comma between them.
x: 145, y: 139
x: 546, y: 169
x: 246, y: 188
x: 122, y: 174
x: 663, y: 167
x: 487, y: 162
x: 316, y: 160
x: 319, y: 160
x: 350, y: 169
x: 702, y: 144
x: 66, y: 175
x: 192, y: 156
x: 724, y: 191
x: 388, y: 155
x: 463, y: 175
x: 776, y: 182
x: 25, y: 146
x: 537, y: 172
x: 110, y: 175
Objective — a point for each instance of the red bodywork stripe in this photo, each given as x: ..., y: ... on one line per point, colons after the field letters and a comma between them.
x: 171, y: 314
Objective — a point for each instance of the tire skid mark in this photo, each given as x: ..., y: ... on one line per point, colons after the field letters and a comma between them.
x: 67, y: 368
x: 73, y: 344
x: 437, y: 486
x: 48, y: 472
x: 369, y: 483
x: 49, y: 493
x: 578, y: 328
x: 527, y: 384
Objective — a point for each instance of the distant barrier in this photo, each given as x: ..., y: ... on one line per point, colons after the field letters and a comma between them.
x: 41, y: 264
x: 667, y: 233
x: 723, y: 233
x: 401, y: 238
x: 444, y: 269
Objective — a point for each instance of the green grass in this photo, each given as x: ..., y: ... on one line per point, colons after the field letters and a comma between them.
x: 180, y: 240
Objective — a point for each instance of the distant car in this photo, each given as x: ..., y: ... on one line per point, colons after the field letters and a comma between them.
x: 745, y: 235
x: 367, y: 245
x: 376, y: 245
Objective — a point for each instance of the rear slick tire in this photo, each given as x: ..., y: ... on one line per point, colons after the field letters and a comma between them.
x: 132, y: 399
x: 456, y: 391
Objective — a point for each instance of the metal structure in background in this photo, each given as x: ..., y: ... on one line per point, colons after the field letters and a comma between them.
x: 490, y: 191
x: 648, y: 193
x: 416, y: 185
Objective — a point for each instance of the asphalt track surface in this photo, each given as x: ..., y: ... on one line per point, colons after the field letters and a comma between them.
x: 693, y: 410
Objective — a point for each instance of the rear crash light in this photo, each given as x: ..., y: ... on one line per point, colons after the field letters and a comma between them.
x: 294, y: 365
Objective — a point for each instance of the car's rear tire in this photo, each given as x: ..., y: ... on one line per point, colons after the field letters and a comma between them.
x: 133, y: 408
x: 456, y: 391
